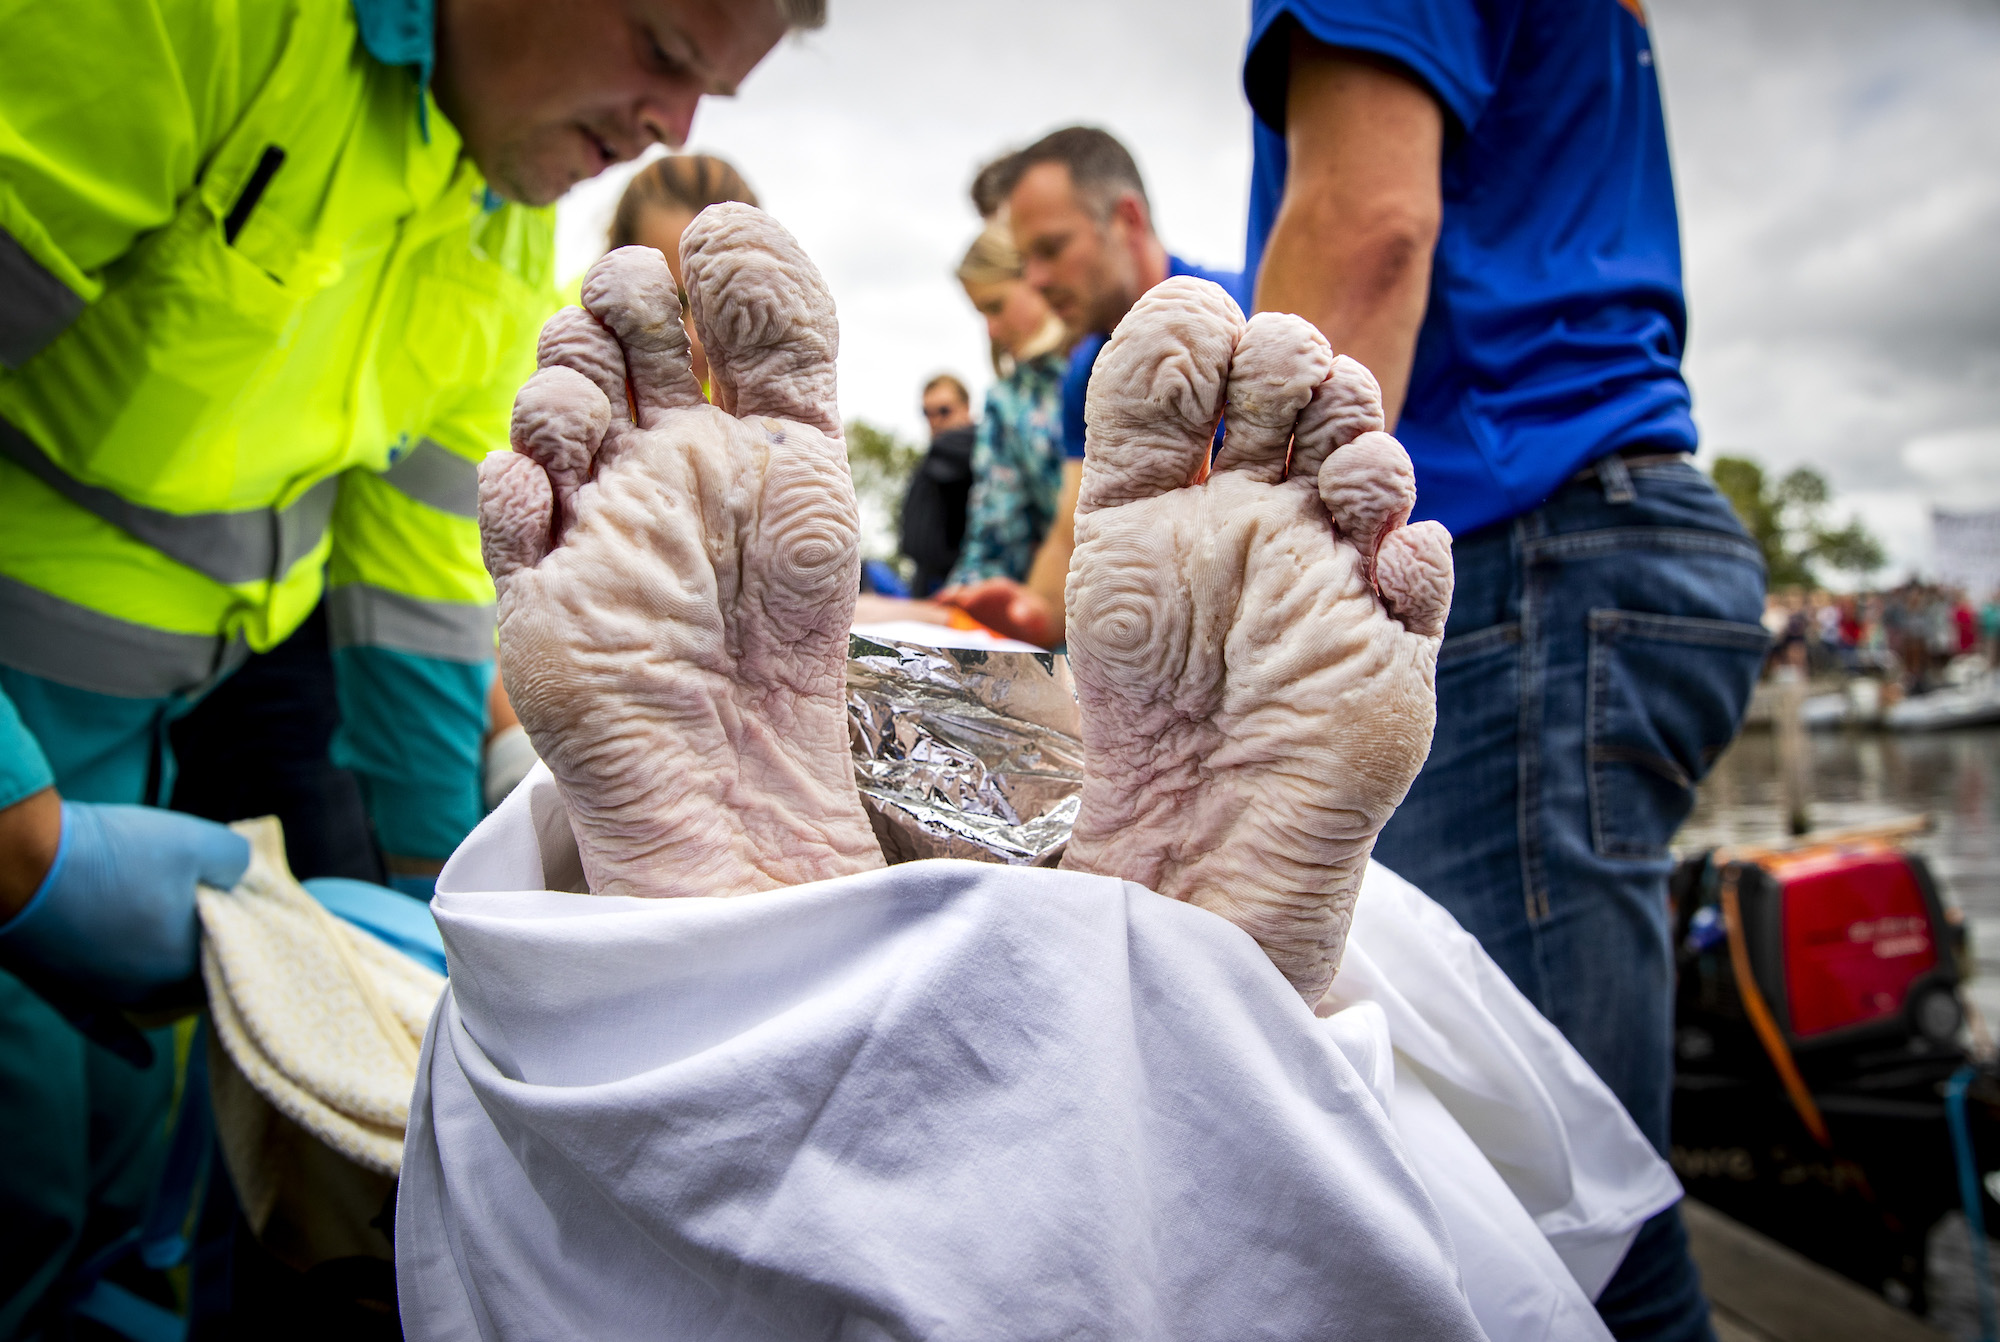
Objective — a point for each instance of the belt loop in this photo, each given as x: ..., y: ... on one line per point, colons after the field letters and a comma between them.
x: 1617, y: 481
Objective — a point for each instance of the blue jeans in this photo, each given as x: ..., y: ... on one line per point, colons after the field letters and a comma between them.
x: 1600, y: 654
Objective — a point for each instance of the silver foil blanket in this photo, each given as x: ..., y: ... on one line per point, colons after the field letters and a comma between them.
x: 965, y: 753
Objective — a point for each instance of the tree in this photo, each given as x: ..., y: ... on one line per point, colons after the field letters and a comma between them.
x: 881, y: 464
x: 1786, y: 519
x: 1741, y: 481
x: 1851, y: 549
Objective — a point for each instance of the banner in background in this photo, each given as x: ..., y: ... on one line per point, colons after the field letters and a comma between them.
x: 1967, y: 549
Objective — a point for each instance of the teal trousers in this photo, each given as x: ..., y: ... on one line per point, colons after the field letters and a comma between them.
x: 84, y: 1133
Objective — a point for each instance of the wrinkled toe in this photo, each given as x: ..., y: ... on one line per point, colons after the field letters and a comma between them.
x: 516, y: 510
x: 1280, y: 360
x: 633, y: 293
x: 1157, y: 393
x: 1346, y: 404
x: 575, y: 340
x: 1414, y: 574
x: 765, y: 316
x: 560, y: 418
x: 1369, y: 487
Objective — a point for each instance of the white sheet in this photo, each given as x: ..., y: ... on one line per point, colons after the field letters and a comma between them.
x: 1531, y: 1106
x: 957, y: 1100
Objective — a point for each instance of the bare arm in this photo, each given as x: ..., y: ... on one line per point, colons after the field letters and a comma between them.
x: 1051, y: 567
x: 1351, y: 249
x: 499, y: 709
x: 30, y: 832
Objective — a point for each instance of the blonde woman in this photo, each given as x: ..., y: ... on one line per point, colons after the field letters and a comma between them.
x: 1017, y: 459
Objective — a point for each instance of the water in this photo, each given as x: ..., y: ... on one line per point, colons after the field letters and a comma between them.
x: 1860, y: 778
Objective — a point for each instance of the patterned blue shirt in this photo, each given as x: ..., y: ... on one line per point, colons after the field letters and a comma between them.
x: 1017, y: 462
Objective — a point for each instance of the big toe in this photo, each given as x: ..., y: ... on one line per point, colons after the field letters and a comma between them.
x: 632, y: 292
x: 1157, y: 392
x: 765, y: 316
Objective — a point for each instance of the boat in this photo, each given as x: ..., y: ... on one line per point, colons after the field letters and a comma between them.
x: 1973, y: 704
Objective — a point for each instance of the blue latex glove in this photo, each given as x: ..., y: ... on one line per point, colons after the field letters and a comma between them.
x: 114, y: 920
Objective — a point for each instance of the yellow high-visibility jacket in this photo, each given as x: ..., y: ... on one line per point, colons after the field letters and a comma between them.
x: 259, y: 319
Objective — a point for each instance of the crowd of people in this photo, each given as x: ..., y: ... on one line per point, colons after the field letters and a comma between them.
x: 239, y: 534
x: 1909, y: 634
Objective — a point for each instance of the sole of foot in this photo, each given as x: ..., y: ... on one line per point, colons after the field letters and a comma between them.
x: 676, y: 579
x: 1254, y: 642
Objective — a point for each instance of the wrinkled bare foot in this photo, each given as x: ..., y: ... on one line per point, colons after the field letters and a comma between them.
x: 1254, y: 652
x: 676, y: 589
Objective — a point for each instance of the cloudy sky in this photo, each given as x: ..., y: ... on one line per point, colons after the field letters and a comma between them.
x: 1838, y: 163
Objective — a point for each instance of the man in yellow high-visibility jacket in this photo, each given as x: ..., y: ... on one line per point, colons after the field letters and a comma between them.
x: 269, y: 276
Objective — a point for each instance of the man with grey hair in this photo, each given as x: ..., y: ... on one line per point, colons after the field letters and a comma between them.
x: 548, y: 95
x: 1084, y: 225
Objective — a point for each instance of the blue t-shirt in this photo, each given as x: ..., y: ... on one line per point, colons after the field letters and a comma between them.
x: 1556, y: 321
x: 1076, y: 378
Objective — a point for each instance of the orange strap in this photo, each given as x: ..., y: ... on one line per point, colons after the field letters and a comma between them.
x: 1761, y: 1020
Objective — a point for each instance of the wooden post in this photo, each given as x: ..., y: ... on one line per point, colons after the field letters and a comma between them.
x: 1794, y: 753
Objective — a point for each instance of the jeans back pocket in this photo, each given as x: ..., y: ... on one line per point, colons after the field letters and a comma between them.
x: 1666, y: 695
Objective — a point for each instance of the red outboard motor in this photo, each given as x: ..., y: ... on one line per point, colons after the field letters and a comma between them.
x: 1817, y: 1021
x: 1850, y: 947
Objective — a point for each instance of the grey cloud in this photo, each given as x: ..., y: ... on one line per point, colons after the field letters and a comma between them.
x: 1839, y: 173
